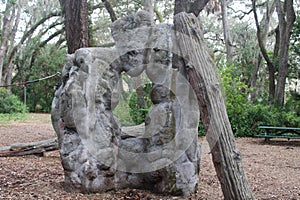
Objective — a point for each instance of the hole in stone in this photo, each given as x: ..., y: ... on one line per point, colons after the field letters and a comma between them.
x: 135, y: 102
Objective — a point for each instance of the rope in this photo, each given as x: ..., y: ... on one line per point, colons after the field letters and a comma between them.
x: 31, y: 81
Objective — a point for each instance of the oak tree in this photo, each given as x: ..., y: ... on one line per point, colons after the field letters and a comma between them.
x: 76, y: 23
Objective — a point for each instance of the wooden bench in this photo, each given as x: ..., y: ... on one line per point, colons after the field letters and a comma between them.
x: 279, y: 132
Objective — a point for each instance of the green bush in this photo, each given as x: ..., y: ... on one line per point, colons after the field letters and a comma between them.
x: 10, y: 103
x: 245, y: 123
x: 245, y: 116
x: 137, y: 113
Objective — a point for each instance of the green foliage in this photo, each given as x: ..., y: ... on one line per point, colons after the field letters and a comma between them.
x: 137, y: 113
x: 10, y: 103
x: 234, y: 89
x: 244, y: 122
x: 201, y: 130
x: 293, y: 102
x: 128, y: 111
x: 245, y: 115
x: 122, y: 113
x: 48, y: 61
x: 236, y: 101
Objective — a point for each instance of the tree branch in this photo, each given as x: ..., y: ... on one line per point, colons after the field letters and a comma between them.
x: 241, y: 11
x: 28, y: 34
x: 259, y: 38
x: 57, y: 33
x: 42, y: 44
x: 110, y: 10
x: 100, y: 6
x: 34, y: 27
x: 57, y: 23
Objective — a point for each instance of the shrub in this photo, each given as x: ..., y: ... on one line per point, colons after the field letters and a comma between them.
x: 10, y: 103
x: 137, y: 113
x: 245, y: 116
x: 245, y: 123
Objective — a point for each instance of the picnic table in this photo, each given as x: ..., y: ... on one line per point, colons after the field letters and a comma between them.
x: 279, y: 132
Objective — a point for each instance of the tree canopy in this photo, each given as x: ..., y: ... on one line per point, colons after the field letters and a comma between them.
x: 255, y: 46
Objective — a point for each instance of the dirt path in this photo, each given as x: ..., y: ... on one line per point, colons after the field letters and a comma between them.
x: 273, y: 169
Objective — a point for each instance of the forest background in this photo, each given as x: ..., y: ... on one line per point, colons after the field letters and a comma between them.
x: 256, y: 60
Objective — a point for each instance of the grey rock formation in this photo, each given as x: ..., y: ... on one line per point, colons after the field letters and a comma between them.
x: 97, y: 153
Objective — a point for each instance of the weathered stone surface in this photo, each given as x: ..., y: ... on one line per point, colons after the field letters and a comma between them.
x: 97, y: 155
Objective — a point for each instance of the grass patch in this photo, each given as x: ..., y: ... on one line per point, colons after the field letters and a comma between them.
x: 13, y: 117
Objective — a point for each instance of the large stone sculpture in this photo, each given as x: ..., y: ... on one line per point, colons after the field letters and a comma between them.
x: 97, y: 153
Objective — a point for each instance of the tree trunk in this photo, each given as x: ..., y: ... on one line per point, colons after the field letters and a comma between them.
x: 189, y: 6
x: 286, y: 17
x: 8, y: 76
x: 271, y: 71
x: 226, y: 31
x: 201, y: 75
x: 265, y: 22
x: 5, y: 33
x: 198, y: 6
x: 9, y: 66
x: 271, y: 68
x: 261, y: 37
x: 76, y: 24
x: 253, y: 79
x: 181, y: 6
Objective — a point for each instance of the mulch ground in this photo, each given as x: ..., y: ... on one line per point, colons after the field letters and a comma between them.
x: 273, y: 169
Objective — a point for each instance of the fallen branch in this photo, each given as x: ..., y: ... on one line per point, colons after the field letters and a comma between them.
x: 38, y: 148
x: 32, y: 148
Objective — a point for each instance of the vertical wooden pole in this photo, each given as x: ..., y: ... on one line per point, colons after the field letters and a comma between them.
x: 201, y: 74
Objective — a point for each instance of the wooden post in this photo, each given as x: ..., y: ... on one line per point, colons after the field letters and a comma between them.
x: 201, y: 74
